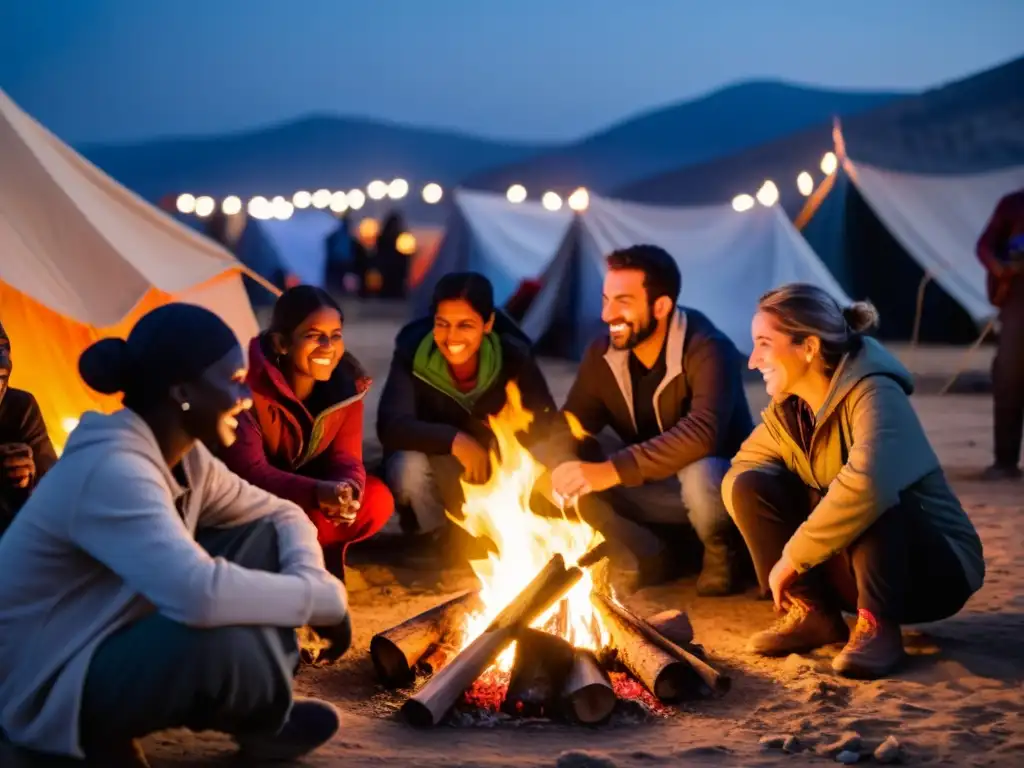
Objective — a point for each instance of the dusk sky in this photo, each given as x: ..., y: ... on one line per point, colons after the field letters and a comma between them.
x: 109, y: 70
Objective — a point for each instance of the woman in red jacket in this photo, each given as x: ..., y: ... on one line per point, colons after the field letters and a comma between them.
x: 303, y: 438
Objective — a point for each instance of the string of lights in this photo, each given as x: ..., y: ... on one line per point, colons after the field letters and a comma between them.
x: 339, y: 201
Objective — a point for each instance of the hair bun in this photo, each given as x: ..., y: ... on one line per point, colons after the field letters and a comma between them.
x: 861, y: 316
x: 107, y: 366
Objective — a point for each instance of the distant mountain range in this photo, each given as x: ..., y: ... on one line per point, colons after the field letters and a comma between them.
x: 345, y: 152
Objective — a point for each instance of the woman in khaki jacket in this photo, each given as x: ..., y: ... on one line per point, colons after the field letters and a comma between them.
x: 838, y: 493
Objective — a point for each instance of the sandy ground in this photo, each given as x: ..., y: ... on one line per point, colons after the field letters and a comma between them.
x: 958, y: 702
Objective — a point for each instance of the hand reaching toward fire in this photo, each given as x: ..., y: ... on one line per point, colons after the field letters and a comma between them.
x: 780, y: 580
x: 577, y: 478
x: 473, y: 458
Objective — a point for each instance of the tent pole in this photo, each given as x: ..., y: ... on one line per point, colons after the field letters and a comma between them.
x: 261, y: 281
x: 915, y: 336
x: 970, y: 351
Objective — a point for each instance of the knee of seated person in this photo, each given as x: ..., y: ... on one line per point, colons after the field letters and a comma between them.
x: 260, y: 550
x: 748, y: 487
x: 408, y: 474
x: 242, y: 646
x: 704, y: 476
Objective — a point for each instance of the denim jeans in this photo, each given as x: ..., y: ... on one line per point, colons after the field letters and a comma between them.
x: 426, y: 484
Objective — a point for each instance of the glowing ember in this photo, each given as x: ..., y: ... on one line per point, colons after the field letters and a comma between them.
x: 500, y: 511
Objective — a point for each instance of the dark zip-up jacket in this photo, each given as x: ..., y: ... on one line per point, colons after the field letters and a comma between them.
x: 701, y: 405
x: 415, y: 415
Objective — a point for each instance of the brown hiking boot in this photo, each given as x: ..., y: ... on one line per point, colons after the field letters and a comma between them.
x: 875, y: 648
x: 803, y: 628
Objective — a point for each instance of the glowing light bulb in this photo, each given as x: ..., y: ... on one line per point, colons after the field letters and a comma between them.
x: 768, y: 194
x: 377, y: 189
x: 742, y: 203
x: 432, y: 193
x: 829, y: 163
x: 398, y: 189
x: 205, y: 206
x: 186, y: 203
x: 516, y: 193
x: 405, y: 244
x: 805, y: 183
x: 579, y: 200
x: 551, y: 201
x: 302, y: 199
x: 339, y: 202
x: 321, y: 198
x: 281, y: 209
x: 231, y: 205
x: 356, y: 199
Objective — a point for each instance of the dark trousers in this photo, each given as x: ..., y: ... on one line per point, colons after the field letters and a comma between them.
x: 157, y: 674
x: 901, y: 568
x: 1008, y: 379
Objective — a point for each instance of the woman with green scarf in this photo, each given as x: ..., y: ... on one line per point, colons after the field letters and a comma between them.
x: 449, y: 373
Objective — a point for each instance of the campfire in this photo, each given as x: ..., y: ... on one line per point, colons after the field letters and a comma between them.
x: 536, y: 639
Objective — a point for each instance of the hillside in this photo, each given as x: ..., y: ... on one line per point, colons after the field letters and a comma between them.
x: 717, y: 125
x: 333, y: 152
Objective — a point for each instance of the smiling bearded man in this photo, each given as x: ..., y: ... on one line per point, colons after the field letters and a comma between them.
x: 669, y: 384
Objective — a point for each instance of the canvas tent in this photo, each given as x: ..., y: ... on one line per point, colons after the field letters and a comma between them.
x: 727, y: 260
x: 935, y: 220
x: 505, y: 242
x: 81, y: 257
x: 295, y: 247
x: 931, y: 168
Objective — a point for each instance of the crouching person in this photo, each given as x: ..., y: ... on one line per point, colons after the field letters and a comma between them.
x: 145, y: 586
x: 303, y: 438
x: 449, y: 374
x: 838, y: 493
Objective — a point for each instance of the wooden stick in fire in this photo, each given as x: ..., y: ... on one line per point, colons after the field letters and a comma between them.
x: 431, y: 703
x: 715, y: 680
x: 395, y: 651
x: 588, y: 694
x: 664, y: 674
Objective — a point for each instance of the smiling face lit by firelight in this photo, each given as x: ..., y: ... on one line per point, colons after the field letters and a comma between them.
x: 316, y: 346
x: 782, y: 361
x: 459, y: 330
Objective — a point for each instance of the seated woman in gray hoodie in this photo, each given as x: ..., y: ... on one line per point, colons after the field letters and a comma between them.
x: 143, y: 586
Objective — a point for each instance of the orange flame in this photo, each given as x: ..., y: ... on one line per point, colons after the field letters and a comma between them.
x: 500, y: 510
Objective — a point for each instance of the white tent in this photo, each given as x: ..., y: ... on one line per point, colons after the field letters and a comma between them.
x: 506, y: 242
x: 938, y: 220
x: 727, y: 260
x: 82, y: 257
x: 296, y: 246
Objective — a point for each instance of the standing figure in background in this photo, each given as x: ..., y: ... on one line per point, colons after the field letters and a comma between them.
x: 303, y: 438
x: 26, y: 453
x: 1001, y: 251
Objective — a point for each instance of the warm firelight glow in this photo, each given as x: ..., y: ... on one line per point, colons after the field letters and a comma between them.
x: 500, y: 511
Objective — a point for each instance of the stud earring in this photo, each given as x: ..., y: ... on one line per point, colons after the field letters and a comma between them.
x: 185, y: 406
x: 809, y: 358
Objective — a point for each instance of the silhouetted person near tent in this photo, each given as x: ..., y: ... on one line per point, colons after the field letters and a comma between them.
x: 669, y: 383
x: 392, y: 265
x: 340, y: 252
x: 838, y: 493
x: 144, y: 586
x: 26, y: 453
x: 1001, y: 251
x: 303, y: 438
x: 449, y: 373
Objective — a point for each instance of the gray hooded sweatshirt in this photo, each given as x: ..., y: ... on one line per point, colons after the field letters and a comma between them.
x: 101, y: 544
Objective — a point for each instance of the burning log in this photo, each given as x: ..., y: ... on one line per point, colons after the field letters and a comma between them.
x: 587, y: 695
x: 432, y: 702
x: 708, y: 675
x: 543, y: 662
x: 664, y: 674
x: 395, y: 651
x: 434, y: 661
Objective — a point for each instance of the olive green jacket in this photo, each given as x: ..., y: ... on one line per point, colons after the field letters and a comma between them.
x: 867, y: 451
